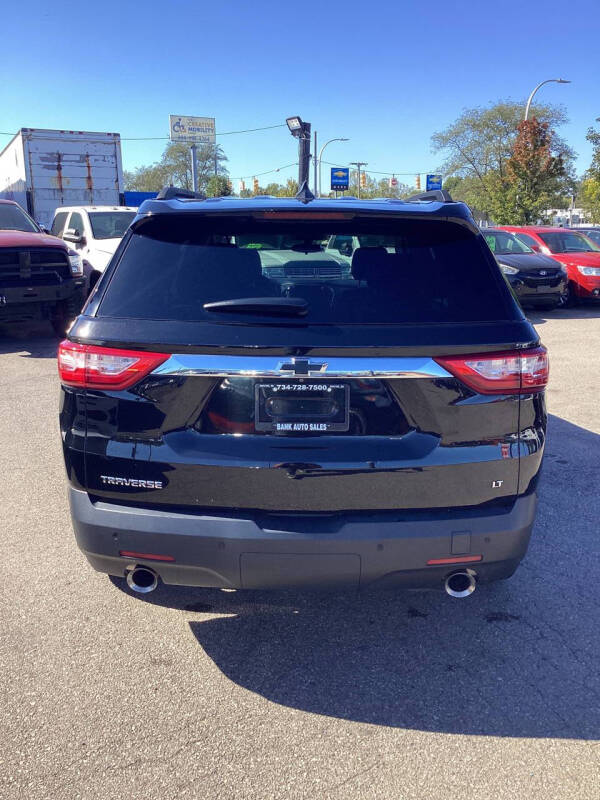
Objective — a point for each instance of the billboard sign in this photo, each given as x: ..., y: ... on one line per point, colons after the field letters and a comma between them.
x: 433, y: 182
x: 340, y: 178
x: 194, y: 130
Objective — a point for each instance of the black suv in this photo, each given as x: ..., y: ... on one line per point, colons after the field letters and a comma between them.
x: 244, y: 406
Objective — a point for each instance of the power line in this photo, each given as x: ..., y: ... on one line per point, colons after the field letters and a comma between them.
x: 375, y: 172
x: 267, y: 172
x: 166, y: 138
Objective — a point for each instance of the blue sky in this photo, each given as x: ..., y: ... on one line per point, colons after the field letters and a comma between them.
x: 386, y: 74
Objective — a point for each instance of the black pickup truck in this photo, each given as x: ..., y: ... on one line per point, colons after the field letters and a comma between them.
x: 39, y: 277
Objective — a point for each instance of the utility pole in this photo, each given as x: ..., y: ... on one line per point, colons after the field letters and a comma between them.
x: 194, y: 167
x: 315, y: 165
x: 301, y: 130
x: 358, y: 165
x: 304, y: 155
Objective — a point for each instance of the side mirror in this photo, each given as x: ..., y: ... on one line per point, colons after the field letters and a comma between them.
x: 44, y: 230
x: 536, y: 248
x: 73, y: 235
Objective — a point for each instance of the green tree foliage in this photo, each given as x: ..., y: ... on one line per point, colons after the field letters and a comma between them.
x: 479, y: 145
x: 218, y: 186
x: 288, y: 189
x: 589, y: 194
x: 175, y: 168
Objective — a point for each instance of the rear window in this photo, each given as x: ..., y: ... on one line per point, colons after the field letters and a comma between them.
x: 341, y: 272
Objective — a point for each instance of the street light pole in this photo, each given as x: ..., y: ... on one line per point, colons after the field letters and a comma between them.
x: 358, y: 165
x: 338, y: 139
x: 550, y: 80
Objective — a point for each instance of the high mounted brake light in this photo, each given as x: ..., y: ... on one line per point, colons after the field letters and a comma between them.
x: 302, y: 215
x: 89, y: 367
x: 513, y: 372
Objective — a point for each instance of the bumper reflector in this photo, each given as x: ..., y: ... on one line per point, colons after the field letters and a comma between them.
x: 454, y: 560
x: 147, y: 556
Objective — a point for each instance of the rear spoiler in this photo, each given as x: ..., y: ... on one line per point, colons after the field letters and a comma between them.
x: 171, y: 192
x: 435, y: 195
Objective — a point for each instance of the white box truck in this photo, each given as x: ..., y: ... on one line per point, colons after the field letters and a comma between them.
x: 43, y: 169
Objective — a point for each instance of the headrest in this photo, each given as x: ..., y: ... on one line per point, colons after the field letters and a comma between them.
x: 365, y: 259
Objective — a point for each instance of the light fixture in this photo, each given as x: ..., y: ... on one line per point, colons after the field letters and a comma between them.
x: 295, y: 125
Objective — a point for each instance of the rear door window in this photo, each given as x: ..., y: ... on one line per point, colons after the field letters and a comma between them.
x: 388, y: 271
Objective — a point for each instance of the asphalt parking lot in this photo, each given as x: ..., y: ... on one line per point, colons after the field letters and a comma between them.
x: 201, y: 693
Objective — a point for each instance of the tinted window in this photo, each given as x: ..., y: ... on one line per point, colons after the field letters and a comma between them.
x: 58, y: 225
x: 110, y: 224
x: 76, y: 222
x: 568, y: 242
x: 13, y: 218
x: 505, y: 243
x: 527, y: 239
x: 417, y: 271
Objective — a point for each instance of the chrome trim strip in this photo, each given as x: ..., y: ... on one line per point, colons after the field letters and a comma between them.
x: 221, y: 366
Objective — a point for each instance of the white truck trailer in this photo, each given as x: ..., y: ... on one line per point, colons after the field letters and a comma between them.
x: 43, y: 169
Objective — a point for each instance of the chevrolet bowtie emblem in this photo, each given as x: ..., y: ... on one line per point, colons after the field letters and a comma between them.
x: 302, y: 366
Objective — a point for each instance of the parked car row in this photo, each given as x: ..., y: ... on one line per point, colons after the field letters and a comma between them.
x: 570, y: 252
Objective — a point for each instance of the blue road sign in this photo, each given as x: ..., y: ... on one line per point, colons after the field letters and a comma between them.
x: 433, y: 182
x: 340, y: 178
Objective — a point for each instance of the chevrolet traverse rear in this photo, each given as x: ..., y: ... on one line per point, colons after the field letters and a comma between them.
x: 245, y: 406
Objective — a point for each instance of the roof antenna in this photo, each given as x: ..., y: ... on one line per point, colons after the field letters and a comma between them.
x: 304, y: 193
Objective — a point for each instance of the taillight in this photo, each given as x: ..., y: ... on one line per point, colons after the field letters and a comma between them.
x: 515, y: 372
x: 91, y: 367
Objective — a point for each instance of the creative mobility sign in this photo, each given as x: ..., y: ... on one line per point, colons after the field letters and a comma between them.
x: 194, y: 130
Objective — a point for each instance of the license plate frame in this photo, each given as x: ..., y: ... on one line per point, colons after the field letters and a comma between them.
x: 321, y: 407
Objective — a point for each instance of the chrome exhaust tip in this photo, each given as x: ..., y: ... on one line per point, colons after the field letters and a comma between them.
x: 461, y: 583
x: 142, y: 580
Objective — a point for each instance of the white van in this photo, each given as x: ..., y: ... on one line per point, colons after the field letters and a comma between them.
x: 94, y: 232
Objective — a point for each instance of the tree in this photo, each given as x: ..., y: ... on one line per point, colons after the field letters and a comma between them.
x: 534, y: 178
x: 218, y: 186
x: 289, y: 189
x: 479, y: 144
x: 175, y: 168
x: 589, y: 194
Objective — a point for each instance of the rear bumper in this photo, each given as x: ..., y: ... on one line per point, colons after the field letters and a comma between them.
x: 233, y: 552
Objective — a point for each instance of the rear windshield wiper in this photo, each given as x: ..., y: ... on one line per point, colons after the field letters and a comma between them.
x: 272, y: 306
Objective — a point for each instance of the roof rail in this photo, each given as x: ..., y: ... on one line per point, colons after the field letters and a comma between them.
x: 441, y: 195
x: 170, y: 192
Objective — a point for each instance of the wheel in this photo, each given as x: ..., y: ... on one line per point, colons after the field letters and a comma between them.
x: 568, y: 298
x: 65, y: 313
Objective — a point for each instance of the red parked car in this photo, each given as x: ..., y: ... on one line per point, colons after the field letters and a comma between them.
x: 579, y: 255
